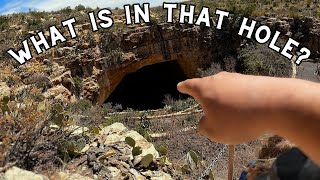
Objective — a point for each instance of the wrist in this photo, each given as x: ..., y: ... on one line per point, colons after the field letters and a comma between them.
x: 295, y: 106
x: 282, y: 105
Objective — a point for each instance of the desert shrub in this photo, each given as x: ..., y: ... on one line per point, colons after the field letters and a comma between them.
x: 258, y: 13
x: 111, y: 120
x: 23, y: 125
x: 34, y: 25
x: 38, y: 15
x: 80, y: 8
x: 110, y: 108
x: 80, y: 106
x: 231, y: 5
x: 66, y: 11
x: 77, y: 85
x: 27, y: 134
x: 90, y: 117
x: 145, y: 132
x: 10, y: 81
x: 260, y: 60
x: 293, y: 11
x: 213, y: 69
x: 114, y: 57
x: 153, y: 21
x: 190, y: 119
x: 4, y: 23
x: 41, y: 81
x: 46, y: 24
x: 174, y: 105
x: 248, y: 9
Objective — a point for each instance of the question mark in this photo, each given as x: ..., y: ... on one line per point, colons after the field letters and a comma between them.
x: 305, y: 53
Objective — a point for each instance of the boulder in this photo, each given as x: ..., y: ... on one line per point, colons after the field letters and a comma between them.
x: 4, y: 90
x: 65, y: 51
x: 15, y: 173
x: 157, y: 175
x: 64, y: 79
x: 69, y: 176
x: 117, y: 133
x: 60, y: 93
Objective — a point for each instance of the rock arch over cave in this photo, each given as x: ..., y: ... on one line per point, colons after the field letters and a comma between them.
x: 147, y: 87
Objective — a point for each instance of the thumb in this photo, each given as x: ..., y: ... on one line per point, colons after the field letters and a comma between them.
x: 191, y: 87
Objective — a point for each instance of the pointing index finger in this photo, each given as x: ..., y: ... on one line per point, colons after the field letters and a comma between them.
x: 191, y: 87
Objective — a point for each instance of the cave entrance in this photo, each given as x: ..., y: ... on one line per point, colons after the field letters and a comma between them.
x: 146, y: 88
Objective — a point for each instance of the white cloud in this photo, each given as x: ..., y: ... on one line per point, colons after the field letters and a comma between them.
x: 49, y: 5
x: 11, y: 11
x: 11, y: 7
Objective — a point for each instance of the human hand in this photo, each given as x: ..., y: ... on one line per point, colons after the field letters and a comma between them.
x: 237, y: 108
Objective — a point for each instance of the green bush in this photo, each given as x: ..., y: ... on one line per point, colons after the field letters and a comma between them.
x: 4, y: 23
x: 249, y: 9
x: 178, y: 105
x: 77, y: 85
x: 261, y: 60
x: 80, y: 8
x: 66, y: 10
x: 34, y: 25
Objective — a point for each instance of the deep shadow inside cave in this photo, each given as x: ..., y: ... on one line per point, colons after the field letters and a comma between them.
x: 147, y: 87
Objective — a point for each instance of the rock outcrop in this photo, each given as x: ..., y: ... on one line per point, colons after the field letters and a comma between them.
x: 15, y: 173
x: 191, y: 46
x: 99, y: 61
x: 106, y: 156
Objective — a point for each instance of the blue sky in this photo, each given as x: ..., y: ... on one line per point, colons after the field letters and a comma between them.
x: 14, y: 6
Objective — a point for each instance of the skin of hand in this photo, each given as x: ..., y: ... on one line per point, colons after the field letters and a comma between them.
x: 238, y: 108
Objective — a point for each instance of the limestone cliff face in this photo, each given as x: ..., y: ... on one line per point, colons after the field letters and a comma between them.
x: 103, y: 63
x: 145, y: 46
x: 102, y: 70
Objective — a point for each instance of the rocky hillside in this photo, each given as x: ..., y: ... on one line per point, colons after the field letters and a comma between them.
x: 107, y: 156
x: 92, y: 65
x: 55, y: 118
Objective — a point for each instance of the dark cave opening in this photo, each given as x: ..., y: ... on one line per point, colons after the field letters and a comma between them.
x: 146, y: 88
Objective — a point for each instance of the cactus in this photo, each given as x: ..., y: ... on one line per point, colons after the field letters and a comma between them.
x: 57, y: 108
x: 95, y: 130
x: 5, y: 101
x: 163, y: 151
x: 136, y: 151
x: 130, y: 141
x: 58, y: 119
x: 73, y: 148
x: 194, y: 157
x: 58, y: 116
x: 146, y: 160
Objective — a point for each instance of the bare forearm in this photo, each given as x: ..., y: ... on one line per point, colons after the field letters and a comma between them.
x: 240, y: 107
x: 301, y: 123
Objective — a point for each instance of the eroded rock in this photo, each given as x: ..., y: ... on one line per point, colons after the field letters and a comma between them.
x: 4, y: 90
x: 69, y: 176
x: 15, y: 173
